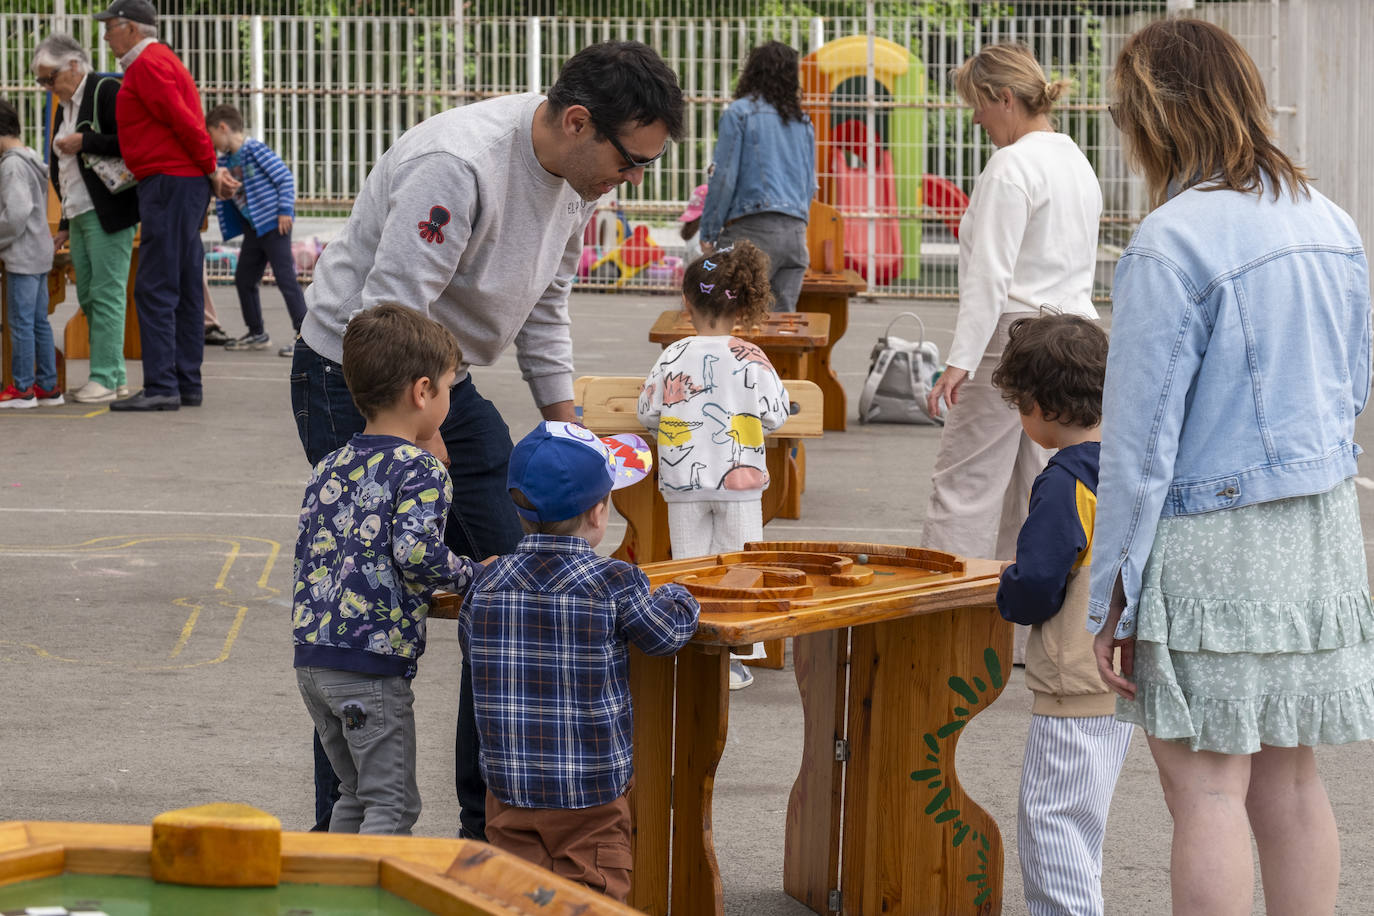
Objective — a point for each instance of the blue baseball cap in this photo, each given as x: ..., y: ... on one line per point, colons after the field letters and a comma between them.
x: 564, y: 469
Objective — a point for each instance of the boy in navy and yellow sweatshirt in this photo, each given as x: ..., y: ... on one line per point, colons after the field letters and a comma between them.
x: 1052, y: 371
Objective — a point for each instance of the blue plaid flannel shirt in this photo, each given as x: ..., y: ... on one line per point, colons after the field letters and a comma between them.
x: 546, y: 631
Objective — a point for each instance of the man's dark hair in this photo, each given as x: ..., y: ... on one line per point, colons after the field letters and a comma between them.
x: 622, y: 83
x: 387, y: 348
x: 227, y: 115
x: 9, y: 120
x: 1056, y: 363
x: 772, y: 73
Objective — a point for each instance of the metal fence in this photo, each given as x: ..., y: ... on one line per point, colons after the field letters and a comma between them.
x: 330, y: 85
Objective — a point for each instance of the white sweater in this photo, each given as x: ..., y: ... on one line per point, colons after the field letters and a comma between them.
x: 712, y: 399
x: 1028, y: 238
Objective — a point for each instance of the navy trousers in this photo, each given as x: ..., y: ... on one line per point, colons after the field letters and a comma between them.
x: 169, y: 291
x: 257, y: 252
x: 481, y: 522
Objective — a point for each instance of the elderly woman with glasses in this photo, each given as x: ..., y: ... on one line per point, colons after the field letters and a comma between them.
x: 98, y: 224
x: 1228, y: 561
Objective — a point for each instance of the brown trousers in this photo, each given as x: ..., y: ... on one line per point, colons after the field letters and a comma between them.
x: 588, y: 845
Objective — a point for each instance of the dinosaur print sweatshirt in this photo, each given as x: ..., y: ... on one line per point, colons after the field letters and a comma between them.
x: 712, y: 400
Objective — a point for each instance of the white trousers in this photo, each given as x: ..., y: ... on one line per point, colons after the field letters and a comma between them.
x: 984, y: 469
x: 705, y: 527
x: 1067, y: 782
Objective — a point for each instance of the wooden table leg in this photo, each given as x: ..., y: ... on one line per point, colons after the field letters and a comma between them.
x: 914, y: 842
x: 651, y: 686
x: 811, y: 863
x: 836, y: 305
x: 646, y: 523
x: 702, y: 719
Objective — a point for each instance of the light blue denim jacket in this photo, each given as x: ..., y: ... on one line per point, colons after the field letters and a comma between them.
x: 1239, y: 359
x: 762, y: 165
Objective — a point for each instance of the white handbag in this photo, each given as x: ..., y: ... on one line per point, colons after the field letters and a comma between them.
x: 111, y: 170
x: 900, y: 375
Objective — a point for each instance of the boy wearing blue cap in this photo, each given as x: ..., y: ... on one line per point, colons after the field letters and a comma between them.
x: 546, y: 631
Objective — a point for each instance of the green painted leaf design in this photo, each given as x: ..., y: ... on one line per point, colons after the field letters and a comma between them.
x: 946, y: 815
x: 994, y: 667
x: 961, y: 687
x: 925, y: 774
x: 951, y: 727
x: 938, y: 800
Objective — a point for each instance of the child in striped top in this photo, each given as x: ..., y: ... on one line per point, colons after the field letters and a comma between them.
x: 261, y: 210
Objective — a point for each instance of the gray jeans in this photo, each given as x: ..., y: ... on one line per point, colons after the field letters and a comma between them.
x: 783, y: 239
x: 367, y: 726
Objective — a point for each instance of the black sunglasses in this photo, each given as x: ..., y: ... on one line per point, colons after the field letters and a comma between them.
x: 633, y: 162
x: 47, y: 81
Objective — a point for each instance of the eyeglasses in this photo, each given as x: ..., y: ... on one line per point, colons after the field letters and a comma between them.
x: 47, y: 81
x: 633, y: 162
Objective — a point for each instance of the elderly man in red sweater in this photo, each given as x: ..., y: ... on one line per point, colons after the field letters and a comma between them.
x: 163, y: 140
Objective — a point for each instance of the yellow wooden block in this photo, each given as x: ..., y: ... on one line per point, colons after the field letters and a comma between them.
x: 218, y: 845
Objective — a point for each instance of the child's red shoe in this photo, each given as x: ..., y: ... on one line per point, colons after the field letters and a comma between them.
x: 47, y: 398
x: 13, y: 397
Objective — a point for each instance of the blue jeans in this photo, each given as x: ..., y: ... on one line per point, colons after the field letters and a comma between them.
x: 481, y: 522
x: 30, y: 334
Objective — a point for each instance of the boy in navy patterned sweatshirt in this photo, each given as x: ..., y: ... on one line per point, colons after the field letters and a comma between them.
x: 1052, y: 371
x: 369, y: 556
x: 261, y: 210
x: 547, y: 631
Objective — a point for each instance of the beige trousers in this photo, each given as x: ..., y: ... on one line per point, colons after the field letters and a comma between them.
x: 980, y: 489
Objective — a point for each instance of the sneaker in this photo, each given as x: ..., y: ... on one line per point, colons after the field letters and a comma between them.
x: 740, y: 676
x: 95, y: 393
x: 249, y: 342
x: 215, y: 336
x: 13, y: 397
x: 47, y: 398
x: 288, y: 351
x: 122, y: 391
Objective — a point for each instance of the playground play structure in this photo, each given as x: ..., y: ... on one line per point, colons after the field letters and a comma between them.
x: 834, y: 82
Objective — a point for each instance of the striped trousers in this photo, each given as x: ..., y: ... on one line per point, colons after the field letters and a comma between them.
x: 1067, y: 781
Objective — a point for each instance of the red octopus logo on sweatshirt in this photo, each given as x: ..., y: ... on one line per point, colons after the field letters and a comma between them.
x: 432, y: 229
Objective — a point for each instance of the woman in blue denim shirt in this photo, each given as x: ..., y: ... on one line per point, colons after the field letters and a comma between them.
x: 765, y: 170
x: 1229, y: 564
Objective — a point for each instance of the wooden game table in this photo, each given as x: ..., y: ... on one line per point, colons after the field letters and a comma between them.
x: 826, y: 289
x: 912, y: 637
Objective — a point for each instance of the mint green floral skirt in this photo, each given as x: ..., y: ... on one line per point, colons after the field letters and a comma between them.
x: 1255, y: 626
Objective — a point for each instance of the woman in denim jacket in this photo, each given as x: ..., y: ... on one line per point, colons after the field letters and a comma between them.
x: 1229, y: 563
x: 765, y: 170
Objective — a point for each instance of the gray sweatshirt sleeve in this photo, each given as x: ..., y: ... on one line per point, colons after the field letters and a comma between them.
x: 16, y: 201
x: 543, y: 348
x: 428, y: 224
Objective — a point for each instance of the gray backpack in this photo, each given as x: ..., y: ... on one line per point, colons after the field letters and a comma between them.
x: 900, y: 375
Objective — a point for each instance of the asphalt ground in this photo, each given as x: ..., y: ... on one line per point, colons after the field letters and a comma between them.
x: 145, y: 647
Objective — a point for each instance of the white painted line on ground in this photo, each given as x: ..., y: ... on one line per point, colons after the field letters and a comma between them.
x: 182, y: 512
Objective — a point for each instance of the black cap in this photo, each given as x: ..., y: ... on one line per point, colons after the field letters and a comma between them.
x: 132, y: 10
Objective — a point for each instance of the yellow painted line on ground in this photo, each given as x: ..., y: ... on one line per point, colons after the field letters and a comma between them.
x: 49, y: 413
x: 119, y: 542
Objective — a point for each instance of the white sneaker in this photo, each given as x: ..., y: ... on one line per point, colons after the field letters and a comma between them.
x: 122, y: 391
x: 740, y: 675
x: 94, y: 393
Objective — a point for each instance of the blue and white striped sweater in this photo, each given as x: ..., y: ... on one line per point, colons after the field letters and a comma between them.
x: 270, y: 189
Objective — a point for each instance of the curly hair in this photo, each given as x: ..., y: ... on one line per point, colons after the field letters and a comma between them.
x: 730, y: 282
x: 773, y: 73
x: 1056, y: 363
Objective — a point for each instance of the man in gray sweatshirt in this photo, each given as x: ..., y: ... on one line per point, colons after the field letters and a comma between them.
x: 26, y: 250
x: 475, y: 217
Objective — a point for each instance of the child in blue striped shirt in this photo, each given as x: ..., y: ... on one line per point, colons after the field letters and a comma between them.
x: 261, y: 210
